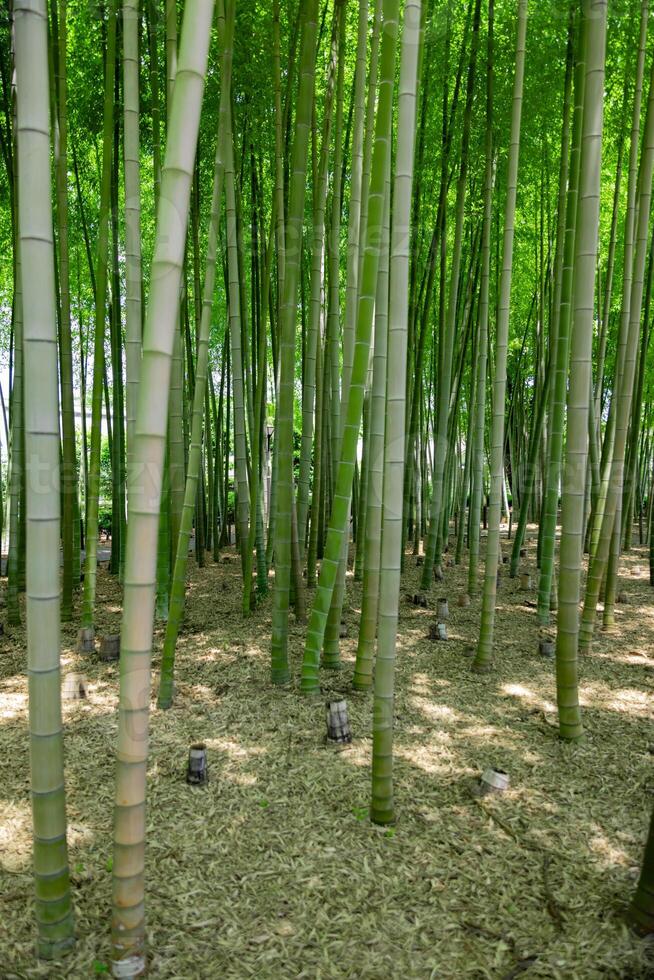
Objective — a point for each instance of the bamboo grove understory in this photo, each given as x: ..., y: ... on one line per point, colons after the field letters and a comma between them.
x: 343, y: 285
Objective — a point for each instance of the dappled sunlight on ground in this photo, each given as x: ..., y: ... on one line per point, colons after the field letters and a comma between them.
x: 527, y: 696
x: 631, y: 701
x: 274, y: 869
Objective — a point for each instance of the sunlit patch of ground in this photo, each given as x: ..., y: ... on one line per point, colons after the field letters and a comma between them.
x: 274, y: 870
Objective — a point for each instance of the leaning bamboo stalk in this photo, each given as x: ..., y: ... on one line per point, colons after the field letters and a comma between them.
x: 317, y: 278
x: 128, y: 921
x: 623, y: 390
x: 178, y: 586
x: 345, y: 473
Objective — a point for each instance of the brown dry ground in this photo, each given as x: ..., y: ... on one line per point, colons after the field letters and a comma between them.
x: 274, y: 870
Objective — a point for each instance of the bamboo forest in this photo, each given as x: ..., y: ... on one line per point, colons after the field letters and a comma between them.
x: 327, y: 489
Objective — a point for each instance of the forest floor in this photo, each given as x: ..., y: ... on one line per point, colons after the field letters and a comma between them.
x: 274, y: 871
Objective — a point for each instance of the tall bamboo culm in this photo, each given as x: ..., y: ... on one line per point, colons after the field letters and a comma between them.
x: 382, y: 808
x: 576, y: 455
x: 53, y: 907
x: 128, y: 920
x: 484, y: 657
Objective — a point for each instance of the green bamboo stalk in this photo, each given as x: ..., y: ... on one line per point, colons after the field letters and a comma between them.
x: 128, y: 921
x: 363, y: 668
x: 118, y: 475
x: 641, y: 910
x: 69, y: 468
x: 628, y: 251
x: 317, y: 265
x: 366, y: 301
x: 563, y: 315
x: 177, y: 593
x: 17, y: 443
x: 176, y: 443
x: 280, y: 672
x: 623, y: 391
x: 446, y: 345
x: 322, y: 366
x: 477, y: 448
x: 236, y: 326
x: 333, y: 630
x: 101, y: 272
x: 53, y: 908
x: 382, y: 805
x: 574, y: 476
x: 484, y: 656
x: 133, y: 275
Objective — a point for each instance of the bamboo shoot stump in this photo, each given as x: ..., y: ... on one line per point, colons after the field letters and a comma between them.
x: 86, y: 640
x: 74, y: 687
x: 197, y: 772
x: 110, y: 647
x: 338, y: 723
x: 438, y: 631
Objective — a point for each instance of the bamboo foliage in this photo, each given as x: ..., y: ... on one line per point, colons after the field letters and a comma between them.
x: 375, y: 310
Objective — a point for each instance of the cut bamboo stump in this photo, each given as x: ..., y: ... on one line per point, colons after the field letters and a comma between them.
x: 110, y: 647
x: 86, y: 640
x: 525, y: 582
x: 546, y: 647
x: 338, y: 723
x: 493, y: 781
x: 74, y: 687
x: 197, y: 772
x: 443, y: 609
x: 438, y: 631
